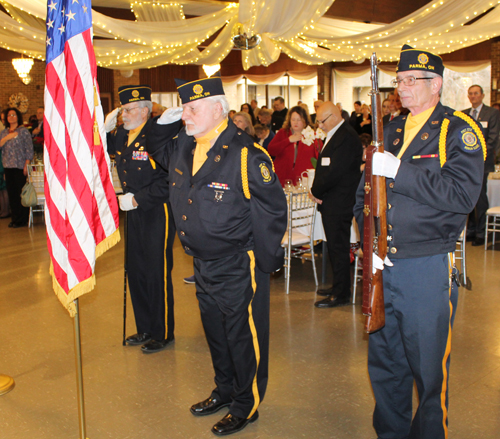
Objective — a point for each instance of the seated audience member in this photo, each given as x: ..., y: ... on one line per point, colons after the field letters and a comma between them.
x: 366, y: 140
x: 364, y: 123
x: 386, y: 107
x: 157, y: 110
x: 355, y: 114
x: 264, y: 134
x: 292, y: 155
x: 243, y: 121
x: 248, y: 109
x: 255, y: 108
x: 317, y: 104
x: 343, y: 113
x: 265, y: 116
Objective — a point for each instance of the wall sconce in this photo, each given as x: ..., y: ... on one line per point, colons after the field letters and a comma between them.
x: 23, y: 67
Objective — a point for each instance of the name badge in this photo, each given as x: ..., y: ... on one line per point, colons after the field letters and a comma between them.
x: 325, y: 161
x: 484, y: 123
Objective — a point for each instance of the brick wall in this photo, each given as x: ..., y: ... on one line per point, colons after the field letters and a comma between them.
x: 495, y: 71
x: 11, y: 84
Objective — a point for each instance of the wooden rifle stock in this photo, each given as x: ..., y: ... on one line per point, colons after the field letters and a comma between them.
x: 374, y: 216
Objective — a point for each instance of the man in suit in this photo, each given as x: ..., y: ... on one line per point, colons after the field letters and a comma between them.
x: 279, y: 115
x: 38, y: 130
x: 394, y: 112
x: 355, y: 114
x: 488, y: 119
x: 334, y: 189
x: 316, y: 104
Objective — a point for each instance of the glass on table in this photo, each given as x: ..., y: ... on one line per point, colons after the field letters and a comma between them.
x: 288, y: 187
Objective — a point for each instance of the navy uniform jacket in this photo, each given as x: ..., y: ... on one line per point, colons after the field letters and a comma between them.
x: 489, y: 121
x: 139, y: 174
x: 428, y: 204
x: 215, y: 213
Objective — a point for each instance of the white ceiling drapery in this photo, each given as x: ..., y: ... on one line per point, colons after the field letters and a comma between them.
x: 301, y: 32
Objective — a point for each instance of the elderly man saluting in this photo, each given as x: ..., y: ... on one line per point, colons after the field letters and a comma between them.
x: 433, y: 166
x: 230, y: 212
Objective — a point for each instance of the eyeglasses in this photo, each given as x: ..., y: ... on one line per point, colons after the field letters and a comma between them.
x: 12, y: 115
x: 324, y: 120
x: 408, y: 81
x: 128, y: 110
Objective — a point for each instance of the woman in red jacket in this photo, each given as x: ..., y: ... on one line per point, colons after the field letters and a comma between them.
x: 291, y: 155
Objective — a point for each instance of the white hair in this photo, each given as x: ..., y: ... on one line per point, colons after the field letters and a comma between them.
x: 146, y: 104
x: 433, y: 75
x: 221, y: 99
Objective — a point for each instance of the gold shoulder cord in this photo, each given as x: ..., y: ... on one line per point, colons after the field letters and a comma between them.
x: 442, y: 141
x: 265, y: 152
x: 244, y: 172
x: 476, y: 129
x: 444, y: 132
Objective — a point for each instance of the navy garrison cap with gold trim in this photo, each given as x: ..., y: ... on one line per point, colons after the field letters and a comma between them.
x: 190, y: 91
x: 416, y: 59
x: 134, y: 93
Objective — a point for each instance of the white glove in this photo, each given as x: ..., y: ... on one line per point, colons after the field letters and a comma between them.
x: 385, y: 164
x: 110, y: 122
x: 126, y: 202
x: 171, y: 115
x: 378, y: 264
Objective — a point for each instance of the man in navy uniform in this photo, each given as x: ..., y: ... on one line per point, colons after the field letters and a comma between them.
x: 230, y: 212
x: 488, y: 119
x: 433, y: 166
x: 150, y: 225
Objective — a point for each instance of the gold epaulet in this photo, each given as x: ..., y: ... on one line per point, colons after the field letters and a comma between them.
x: 476, y: 129
x: 265, y: 152
x: 244, y: 172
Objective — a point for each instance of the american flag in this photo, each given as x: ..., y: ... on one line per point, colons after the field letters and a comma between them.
x: 81, y: 210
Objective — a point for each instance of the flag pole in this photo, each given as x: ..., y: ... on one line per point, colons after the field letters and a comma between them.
x: 79, y: 373
x: 125, y: 280
x: 6, y: 384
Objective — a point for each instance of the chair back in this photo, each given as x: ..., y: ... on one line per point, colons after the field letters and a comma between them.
x: 36, y: 178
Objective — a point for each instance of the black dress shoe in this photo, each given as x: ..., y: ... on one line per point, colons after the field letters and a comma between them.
x: 17, y: 225
x: 207, y: 407
x: 477, y: 242
x: 153, y: 346
x: 332, y: 302
x: 230, y: 424
x: 138, y: 339
x: 11, y: 224
x: 325, y: 292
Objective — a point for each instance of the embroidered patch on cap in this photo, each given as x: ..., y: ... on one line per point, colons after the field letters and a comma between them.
x: 266, y: 175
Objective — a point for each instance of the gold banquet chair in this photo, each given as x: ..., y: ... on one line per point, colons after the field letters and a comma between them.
x: 492, y: 224
x: 460, y: 256
x: 35, y: 177
x: 301, y: 218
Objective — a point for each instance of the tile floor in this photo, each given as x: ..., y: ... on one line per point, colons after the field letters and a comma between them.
x: 318, y: 385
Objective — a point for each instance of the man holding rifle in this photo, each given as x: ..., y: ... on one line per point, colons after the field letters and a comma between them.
x: 433, y: 164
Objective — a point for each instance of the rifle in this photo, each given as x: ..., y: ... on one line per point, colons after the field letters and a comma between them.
x: 375, y: 223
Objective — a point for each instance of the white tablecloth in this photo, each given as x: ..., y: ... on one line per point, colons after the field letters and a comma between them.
x: 494, y: 189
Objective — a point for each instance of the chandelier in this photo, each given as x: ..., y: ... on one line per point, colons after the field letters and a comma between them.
x: 23, y: 67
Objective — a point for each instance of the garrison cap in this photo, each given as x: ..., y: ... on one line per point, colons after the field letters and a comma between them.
x: 199, y: 89
x: 416, y: 59
x: 134, y: 93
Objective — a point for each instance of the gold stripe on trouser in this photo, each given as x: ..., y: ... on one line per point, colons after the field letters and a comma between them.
x: 451, y: 263
x: 255, y: 389
x: 165, y: 274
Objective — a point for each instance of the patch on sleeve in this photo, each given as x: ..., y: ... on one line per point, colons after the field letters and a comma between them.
x: 470, y: 142
x: 264, y: 171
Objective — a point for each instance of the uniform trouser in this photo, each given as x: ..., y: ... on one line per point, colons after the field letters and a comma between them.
x: 15, y: 180
x: 149, y: 267
x: 337, y: 231
x: 415, y: 345
x: 477, y: 224
x: 234, y: 303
